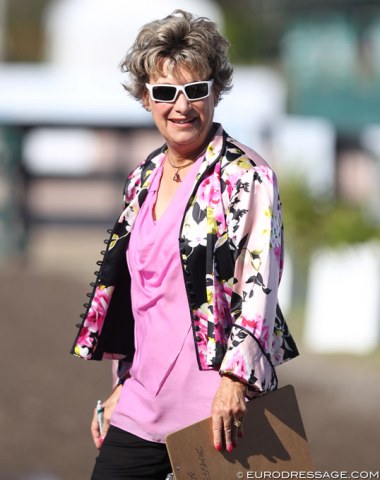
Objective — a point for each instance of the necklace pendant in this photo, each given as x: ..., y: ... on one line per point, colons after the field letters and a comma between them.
x: 176, y: 177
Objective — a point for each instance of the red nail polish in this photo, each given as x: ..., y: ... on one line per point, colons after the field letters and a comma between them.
x: 229, y: 448
x: 218, y: 446
x: 234, y: 444
x: 240, y: 434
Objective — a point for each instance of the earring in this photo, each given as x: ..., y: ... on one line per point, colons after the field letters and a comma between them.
x: 147, y: 109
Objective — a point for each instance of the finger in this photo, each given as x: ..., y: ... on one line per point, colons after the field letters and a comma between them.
x: 239, y: 419
x: 227, y: 427
x: 95, y: 431
x: 235, y: 431
x: 106, y: 426
x: 217, y: 430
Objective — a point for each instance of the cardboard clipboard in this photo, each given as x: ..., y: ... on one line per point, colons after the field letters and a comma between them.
x: 274, y: 440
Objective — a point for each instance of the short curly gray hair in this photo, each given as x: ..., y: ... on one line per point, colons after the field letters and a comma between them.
x: 185, y: 40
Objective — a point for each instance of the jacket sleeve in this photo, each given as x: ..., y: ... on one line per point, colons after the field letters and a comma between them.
x: 255, y: 231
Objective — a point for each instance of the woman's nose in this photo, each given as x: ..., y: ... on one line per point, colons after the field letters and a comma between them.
x: 182, y: 104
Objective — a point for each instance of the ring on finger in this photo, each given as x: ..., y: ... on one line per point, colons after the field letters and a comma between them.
x: 238, y: 423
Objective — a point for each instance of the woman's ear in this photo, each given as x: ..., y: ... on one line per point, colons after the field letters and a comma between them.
x: 145, y: 100
x: 216, y: 96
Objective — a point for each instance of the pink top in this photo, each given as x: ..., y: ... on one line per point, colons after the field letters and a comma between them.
x: 166, y: 390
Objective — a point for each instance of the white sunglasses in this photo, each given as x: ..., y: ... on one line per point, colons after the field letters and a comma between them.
x: 168, y: 93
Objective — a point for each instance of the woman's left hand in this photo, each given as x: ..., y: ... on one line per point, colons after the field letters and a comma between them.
x: 109, y: 406
x: 228, y: 411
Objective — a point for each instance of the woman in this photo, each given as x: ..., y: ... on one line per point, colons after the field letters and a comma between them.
x: 186, y: 296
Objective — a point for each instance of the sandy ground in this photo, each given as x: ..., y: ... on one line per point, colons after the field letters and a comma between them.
x: 47, y: 396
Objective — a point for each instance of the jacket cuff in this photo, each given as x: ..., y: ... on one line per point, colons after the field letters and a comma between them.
x: 246, y: 360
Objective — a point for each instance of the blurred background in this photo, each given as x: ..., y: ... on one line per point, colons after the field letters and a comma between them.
x: 306, y: 96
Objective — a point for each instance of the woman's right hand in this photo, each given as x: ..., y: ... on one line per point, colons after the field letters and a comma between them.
x: 109, y: 406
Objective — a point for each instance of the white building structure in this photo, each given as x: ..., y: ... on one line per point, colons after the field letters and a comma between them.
x: 343, y: 303
x: 94, y: 35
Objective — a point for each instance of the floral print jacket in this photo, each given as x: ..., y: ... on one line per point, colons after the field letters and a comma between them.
x: 231, y: 247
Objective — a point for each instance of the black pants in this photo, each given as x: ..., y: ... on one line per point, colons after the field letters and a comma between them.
x: 124, y: 456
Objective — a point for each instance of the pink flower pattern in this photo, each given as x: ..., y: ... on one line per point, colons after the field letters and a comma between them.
x: 94, y: 320
x: 236, y: 363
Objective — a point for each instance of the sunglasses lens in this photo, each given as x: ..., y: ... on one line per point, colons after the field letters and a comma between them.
x: 164, y: 93
x: 197, y: 90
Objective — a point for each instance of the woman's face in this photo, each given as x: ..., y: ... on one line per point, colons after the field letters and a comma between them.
x: 185, y: 125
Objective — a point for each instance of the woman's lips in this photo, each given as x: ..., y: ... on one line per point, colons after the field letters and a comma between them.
x: 182, y: 121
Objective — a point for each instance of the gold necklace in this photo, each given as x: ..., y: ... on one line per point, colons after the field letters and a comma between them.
x: 176, y: 177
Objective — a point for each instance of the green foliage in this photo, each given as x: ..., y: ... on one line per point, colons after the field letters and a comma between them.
x: 312, y: 221
x: 254, y: 32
